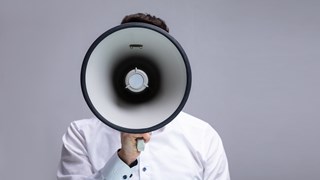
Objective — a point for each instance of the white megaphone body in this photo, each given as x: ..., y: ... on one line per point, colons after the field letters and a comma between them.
x: 135, y: 78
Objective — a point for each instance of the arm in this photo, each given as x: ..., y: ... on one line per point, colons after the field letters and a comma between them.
x: 75, y: 163
x: 216, y: 164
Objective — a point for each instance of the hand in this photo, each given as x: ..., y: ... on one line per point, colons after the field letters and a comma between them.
x: 128, y: 152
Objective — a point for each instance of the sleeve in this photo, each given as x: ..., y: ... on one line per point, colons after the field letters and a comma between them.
x: 75, y: 163
x: 216, y: 163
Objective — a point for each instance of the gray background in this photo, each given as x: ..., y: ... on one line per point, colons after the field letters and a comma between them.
x: 255, y: 78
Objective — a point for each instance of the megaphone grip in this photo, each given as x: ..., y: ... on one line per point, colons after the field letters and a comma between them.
x: 140, y: 144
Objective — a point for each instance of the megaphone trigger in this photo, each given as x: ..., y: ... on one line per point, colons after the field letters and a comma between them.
x: 140, y: 144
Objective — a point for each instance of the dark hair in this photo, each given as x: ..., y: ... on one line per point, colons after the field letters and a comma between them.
x: 145, y: 18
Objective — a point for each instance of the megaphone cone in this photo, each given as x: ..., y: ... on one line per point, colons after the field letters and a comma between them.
x: 136, y: 78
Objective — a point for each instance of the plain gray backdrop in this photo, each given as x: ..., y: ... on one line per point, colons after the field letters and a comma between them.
x: 256, y: 69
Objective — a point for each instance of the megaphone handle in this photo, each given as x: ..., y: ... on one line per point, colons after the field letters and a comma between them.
x: 140, y: 144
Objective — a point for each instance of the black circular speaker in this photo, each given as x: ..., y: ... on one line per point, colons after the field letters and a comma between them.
x: 135, y: 78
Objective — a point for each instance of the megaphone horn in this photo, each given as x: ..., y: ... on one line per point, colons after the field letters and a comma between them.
x: 135, y: 78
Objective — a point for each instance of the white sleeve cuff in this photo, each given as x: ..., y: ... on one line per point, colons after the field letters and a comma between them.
x: 115, y: 168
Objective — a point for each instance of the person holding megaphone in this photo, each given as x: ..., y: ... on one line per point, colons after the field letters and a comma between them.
x: 139, y: 139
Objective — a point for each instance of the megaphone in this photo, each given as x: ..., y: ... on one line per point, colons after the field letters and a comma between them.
x: 135, y: 78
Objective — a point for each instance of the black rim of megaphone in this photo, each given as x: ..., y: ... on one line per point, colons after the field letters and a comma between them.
x: 84, y: 67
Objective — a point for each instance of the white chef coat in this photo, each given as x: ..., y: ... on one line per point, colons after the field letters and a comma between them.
x: 186, y: 148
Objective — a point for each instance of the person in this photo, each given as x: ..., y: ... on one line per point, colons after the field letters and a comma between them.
x: 186, y: 148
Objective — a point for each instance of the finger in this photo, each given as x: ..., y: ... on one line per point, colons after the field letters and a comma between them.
x: 146, y: 137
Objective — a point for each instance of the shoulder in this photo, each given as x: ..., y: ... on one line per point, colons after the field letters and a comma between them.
x: 194, y: 127
x: 189, y: 122
x: 199, y: 135
x: 90, y: 126
x: 188, y: 119
x: 86, y: 123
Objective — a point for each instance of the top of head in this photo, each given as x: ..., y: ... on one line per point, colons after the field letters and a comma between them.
x: 146, y: 18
